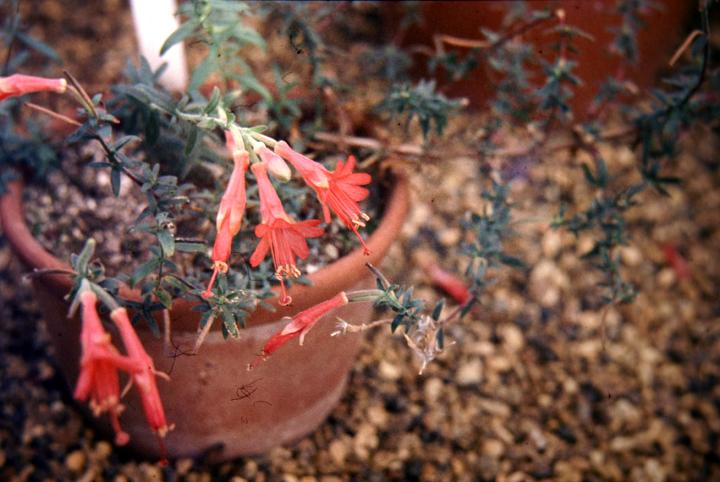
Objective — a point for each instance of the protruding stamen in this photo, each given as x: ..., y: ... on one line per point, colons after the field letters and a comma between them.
x: 217, y: 267
x: 285, y: 299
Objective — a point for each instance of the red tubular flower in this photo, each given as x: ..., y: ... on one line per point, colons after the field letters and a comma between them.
x: 230, y: 212
x: 19, y: 84
x: 144, y: 376
x: 279, y: 234
x: 300, y: 325
x: 448, y: 282
x: 339, y: 190
x: 676, y: 261
x: 99, y: 366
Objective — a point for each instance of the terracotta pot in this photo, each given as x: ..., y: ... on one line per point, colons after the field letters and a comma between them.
x: 213, y: 400
x: 656, y: 41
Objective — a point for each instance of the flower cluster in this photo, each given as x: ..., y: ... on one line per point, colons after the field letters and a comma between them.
x: 101, y: 361
x: 279, y: 234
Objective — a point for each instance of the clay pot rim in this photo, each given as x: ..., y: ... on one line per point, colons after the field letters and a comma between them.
x: 340, y: 274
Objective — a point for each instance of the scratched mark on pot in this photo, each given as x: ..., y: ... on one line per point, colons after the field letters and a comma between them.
x: 247, y: 391
x: 178, y: 352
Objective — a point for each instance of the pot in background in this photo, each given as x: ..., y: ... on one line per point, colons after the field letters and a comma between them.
x: 215, y: 403
x: 656, y: 42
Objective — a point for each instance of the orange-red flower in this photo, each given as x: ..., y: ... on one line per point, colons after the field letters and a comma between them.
x: 279, y: 234
x: 144, y: 376
x: 339, y: 190
x: 99, y: 366
x: 230, y: 212
x: 19, y: 84
x: 300, y: 325
x: 448, y: 282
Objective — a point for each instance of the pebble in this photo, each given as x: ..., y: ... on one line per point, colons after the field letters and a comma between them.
x: 492, y: 447
x: 551, y: 243
x: 470, y: 372
x: 339, y: 450
x: 512, y: 337
x: 103, y: 449
x: 433, y: 389
x: 75, y: 461
x: 547, y: 282
x: 450, y: 237
x: 183, y: 466
x: 666, y: 278
x: 377, y: 415
x: 631, y: 256
x: 365, y: 440
x: 389, y: 371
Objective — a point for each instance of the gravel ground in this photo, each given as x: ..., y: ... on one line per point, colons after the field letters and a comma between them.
x: 535, y: 387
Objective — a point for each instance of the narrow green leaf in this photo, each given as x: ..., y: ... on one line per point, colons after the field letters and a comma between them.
x: 190, y: 247
x: 437, y: 311
x: 164, y: 298
x: 183, y: 32
x: 115, y: 179
x: 143, y: 270
x: 213, y: 102
x: 82, y: 260
x: 396, y: 322
x: 39, y: 46
x: 588, y: 175
x: 167, y: 242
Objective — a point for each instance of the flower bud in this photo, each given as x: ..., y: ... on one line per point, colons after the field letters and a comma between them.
x: 275, y: 164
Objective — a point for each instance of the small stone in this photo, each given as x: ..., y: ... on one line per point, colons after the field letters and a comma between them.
x: 388, y: 371
x: 512, y: 337
x: 103, y: 449
x: 250, y: 469
x: 666, y: 278
x: 339, y: 450
x: 547, y: 281
x: 433, y: 389
x: 377, y: 415
x: 551, y: 243
x: 567, y: 472
x: 470, y: 372
x: 631, y: 256
x: 183, y: 466
x: 75, y: 461
x: 655, y: 471
x: 493, y: 447
x: 331, y: 251
x: 365, y: 439
x: 450, y: 236
x: 151, y: 472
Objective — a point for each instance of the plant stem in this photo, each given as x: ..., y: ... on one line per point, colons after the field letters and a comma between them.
x: 203, y: 333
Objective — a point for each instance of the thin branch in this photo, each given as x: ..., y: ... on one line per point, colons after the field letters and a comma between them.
x: 203, y: 333
x: 166, y: 332
x: 688, y: 41
x: 343, y: 327
x: 53, y: 114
